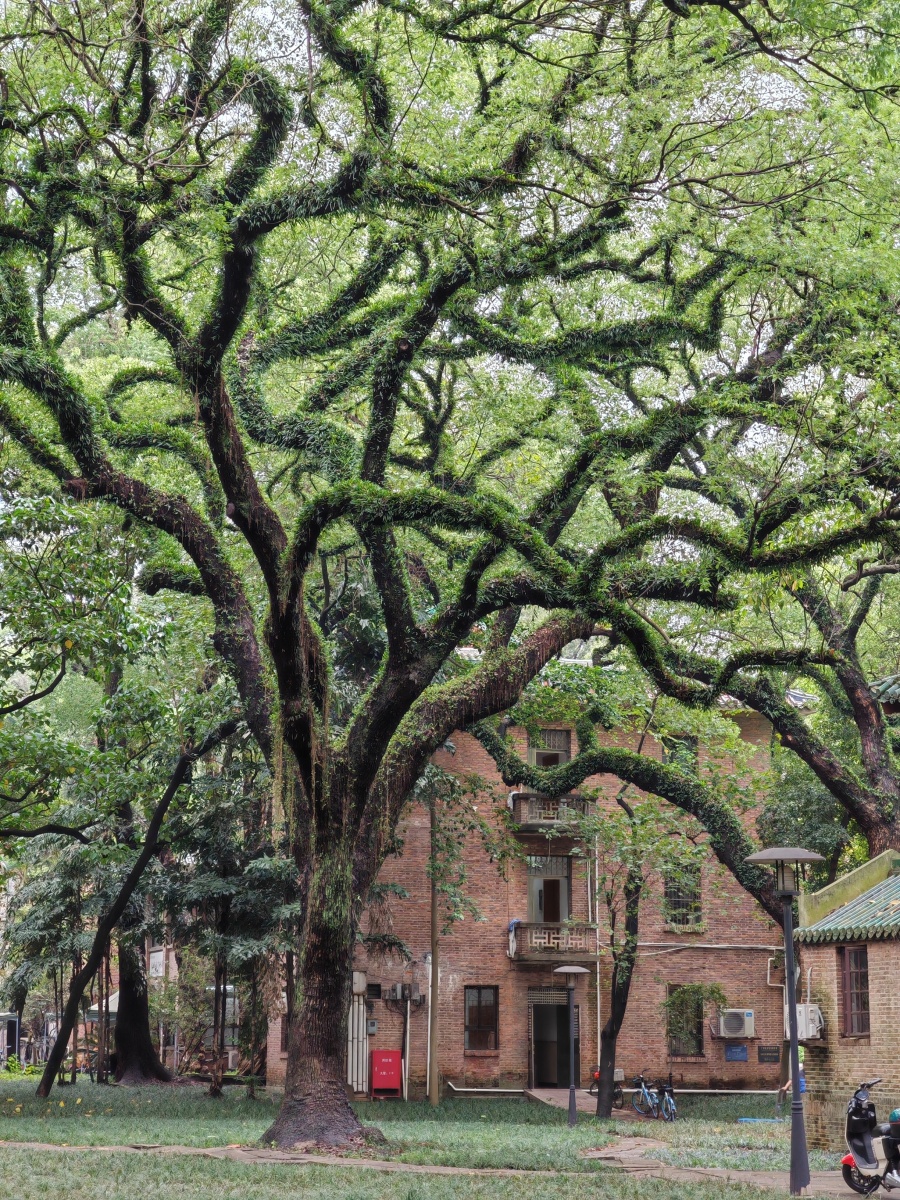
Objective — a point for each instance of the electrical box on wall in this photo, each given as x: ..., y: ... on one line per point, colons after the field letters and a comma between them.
x: 371, y: 1026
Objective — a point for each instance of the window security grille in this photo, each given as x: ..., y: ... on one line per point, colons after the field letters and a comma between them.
x: 682, y: 898
x: 482, y: 1018
x: 551, y: 739
x: 855, y: 990
x: 549, y: 865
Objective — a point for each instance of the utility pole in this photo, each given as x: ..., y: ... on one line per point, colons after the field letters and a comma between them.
x: 433, y: 992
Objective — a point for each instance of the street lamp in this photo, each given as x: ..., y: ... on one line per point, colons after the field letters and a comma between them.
x: 788, y: 862
x: 570, y: 974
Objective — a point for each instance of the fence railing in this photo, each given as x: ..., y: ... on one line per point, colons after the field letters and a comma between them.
x: 530, y: 808
x: 551, y: 941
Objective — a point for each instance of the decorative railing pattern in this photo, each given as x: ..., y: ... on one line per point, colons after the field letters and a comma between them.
x: 533, y: 809
x: 551, y: 941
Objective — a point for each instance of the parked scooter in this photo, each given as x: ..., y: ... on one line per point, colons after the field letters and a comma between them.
x: 874, y: 1158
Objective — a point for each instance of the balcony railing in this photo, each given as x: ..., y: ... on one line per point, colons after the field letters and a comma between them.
x: 533, y: 812
x: 552, y: 943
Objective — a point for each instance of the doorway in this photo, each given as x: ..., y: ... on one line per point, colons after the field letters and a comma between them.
x: 548, y: 889
x: 550, y: 1045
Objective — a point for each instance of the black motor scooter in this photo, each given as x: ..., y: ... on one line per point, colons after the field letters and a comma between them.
x: 874, y: 1158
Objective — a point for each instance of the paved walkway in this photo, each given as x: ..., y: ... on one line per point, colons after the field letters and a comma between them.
x: 629, y: 1155
x: 632, y: 1154
x: 559, y: 1098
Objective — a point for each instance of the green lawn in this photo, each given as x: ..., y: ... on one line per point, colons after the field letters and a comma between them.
x: 707, y: 1134
x: 487, y: 1133
x: 463, y: 1133
x: 90, y: 1115
x: 80, y: 1175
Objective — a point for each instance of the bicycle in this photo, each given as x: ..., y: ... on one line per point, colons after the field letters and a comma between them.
x: 644, y: 1100
x: 666, y: 1093
x: 618, y: 1096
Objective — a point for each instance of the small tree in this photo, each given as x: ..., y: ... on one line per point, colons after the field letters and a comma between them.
x: 455, y: 823
x: 624, y: 845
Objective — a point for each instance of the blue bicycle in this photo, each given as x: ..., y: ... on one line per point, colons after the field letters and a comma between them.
x: 644, y: 1099
x: 666, y: 1093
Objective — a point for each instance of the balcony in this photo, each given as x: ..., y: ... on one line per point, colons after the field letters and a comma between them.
x: 533, y: 813
x: 552, y: 942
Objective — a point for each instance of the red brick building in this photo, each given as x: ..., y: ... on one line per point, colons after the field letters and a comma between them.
x: 849, y: 938
x: 503, y: 1022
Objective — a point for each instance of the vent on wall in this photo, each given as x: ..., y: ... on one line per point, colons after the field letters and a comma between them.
x: 737, y: 1023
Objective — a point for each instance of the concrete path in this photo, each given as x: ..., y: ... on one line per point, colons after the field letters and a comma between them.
x: 628, y: 1155
x: 559, y: 1098
x: 633, y: 1154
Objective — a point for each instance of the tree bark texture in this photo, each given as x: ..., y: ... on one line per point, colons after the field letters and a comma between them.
x: 315, y: 1108
x: 111, y: 918
x: 624, y: 960
x: 137, y: 1062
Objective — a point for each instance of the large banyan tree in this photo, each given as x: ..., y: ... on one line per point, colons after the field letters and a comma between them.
x: 471, y: 291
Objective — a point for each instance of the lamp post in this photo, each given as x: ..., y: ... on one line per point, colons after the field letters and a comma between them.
x: 570, y: 974
x: 788, y: 862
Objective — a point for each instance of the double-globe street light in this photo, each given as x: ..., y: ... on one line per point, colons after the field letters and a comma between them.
x: 788, y: 862
x: 570, y: 974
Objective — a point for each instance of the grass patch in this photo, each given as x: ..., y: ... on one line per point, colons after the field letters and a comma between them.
x: 90, y: 1115
x: 487, y: 1133
x: 462, y: 1133
x: 707, y: 1134
x: 79, y: 1175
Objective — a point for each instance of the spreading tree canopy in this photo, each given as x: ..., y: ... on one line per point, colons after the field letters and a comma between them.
x: 501, y: 299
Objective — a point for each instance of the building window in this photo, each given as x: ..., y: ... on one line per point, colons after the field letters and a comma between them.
x: 482, y: 1018
x: 285, y: 1032
x: 682, y: 897
x: 550, y: 747
x: 854, y: 962
x: 684, y: 1023
x: 680, y: 752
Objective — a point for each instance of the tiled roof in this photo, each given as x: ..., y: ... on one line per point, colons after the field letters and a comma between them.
x: 887, y: 690
x: 874, y: 914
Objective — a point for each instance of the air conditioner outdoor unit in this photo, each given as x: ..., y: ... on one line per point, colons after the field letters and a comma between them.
x: 810, y: 1023
x: 234, y: 1059
x: 737, y: 1023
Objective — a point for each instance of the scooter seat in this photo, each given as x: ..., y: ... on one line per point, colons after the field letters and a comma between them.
x: 863, y: 1151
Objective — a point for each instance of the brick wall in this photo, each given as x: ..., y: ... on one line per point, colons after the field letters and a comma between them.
x: 731, y: 949
x: 836, y: 1066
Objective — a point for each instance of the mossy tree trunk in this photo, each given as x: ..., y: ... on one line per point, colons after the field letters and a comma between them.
x: 315, y: 1106
x: 406, y: 300
x: 137, y: 1061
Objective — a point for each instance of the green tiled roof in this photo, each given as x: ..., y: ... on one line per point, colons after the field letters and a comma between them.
x: 874, y: 914
x: 887, y: 690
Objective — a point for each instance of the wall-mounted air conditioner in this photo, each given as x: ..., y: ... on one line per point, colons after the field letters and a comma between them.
x: 810, y: 1023
x: 737, y: 1023
x: 234, y: 1059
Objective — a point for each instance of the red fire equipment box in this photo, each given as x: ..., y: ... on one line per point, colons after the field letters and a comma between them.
x: 385, y: 1073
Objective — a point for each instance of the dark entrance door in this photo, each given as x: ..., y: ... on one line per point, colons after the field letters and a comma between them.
x: 550, y: 1030
x: 552, y: 907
